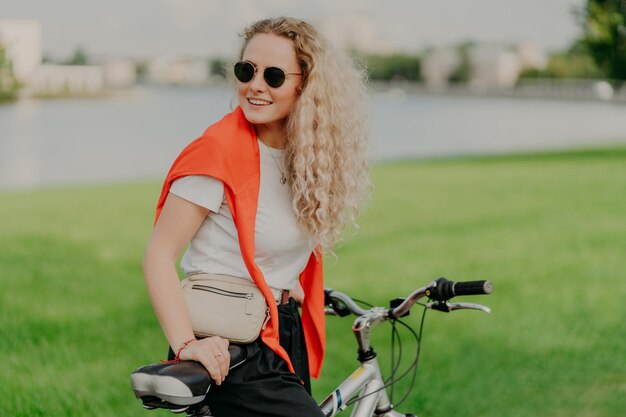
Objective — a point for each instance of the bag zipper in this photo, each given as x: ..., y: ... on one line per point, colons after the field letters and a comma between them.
x: 220, y: 291
x: 267, y: 318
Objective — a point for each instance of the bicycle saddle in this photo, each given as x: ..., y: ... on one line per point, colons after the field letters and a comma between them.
x: 177, y: 385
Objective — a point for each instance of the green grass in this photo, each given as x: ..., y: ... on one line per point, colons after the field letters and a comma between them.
x: 549, y: 230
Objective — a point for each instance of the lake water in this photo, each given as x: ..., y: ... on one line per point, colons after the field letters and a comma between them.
x: 137, y: 134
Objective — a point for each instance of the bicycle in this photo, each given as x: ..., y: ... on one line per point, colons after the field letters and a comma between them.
x: 182, y: 386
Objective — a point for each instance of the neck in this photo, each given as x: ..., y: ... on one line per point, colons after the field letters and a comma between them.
x: 271, y: 136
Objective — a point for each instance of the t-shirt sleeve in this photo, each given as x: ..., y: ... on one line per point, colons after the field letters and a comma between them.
x: 204, y: 191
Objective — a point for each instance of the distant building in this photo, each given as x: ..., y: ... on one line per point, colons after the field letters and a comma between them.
x: 531, y: 56
x: 67, y: 80
x: 491, y: 65
x: 178, y: 71
x: 119, y: 73
x: 439, y: 65
x: 21, y: 40
x: 190, y: 71
x: 494, y: 65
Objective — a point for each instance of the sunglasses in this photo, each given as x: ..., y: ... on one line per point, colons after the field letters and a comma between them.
x: 273, y: 76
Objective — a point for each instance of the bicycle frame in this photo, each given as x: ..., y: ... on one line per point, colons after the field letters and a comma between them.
x: 367, y: 380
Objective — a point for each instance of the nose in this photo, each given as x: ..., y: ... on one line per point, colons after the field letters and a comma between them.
x: 258, y: 82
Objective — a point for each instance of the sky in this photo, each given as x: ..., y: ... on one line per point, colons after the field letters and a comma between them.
x: 142, y: 28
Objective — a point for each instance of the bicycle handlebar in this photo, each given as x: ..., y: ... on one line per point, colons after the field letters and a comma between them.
x: 341, y: 304
x: 440, y: 290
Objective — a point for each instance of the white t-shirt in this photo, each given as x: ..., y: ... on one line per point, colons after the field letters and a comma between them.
x: 282, y: 249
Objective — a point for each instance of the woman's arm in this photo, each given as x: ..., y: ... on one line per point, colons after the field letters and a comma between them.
x: 178, y: 223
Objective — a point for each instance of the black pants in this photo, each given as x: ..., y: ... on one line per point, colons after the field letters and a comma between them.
x: 263, y: 385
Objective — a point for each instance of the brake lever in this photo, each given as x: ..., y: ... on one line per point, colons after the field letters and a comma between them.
x: 469, y: 306
x: 330, y: 312
x: 447, y: 307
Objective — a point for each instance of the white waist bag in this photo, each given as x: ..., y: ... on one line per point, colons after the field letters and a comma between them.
x: 229, y: 307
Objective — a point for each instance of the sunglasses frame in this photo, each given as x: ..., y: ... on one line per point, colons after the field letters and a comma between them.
x: 265, y: 73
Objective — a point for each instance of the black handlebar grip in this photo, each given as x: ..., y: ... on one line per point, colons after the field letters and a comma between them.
x: 444, y: 289
x: 472, y: 288
x: 327, y: 299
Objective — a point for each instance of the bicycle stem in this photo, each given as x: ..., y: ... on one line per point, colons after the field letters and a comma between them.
x: 362, y: 329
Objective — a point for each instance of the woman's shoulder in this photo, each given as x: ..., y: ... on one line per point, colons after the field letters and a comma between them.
x: 230, y: 134
x: 225, y: 147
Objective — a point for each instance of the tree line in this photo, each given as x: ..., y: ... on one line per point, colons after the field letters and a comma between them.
x: 600, y: 51
x: 9, y: 85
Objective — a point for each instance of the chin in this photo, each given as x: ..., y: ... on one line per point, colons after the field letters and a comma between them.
x: 260, y: 116
x: 254, y: 118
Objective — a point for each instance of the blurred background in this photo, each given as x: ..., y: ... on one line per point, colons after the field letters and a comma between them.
x: 81, y: 80
x: 498, y: 141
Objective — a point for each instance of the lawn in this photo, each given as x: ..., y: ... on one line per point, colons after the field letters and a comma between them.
x: 549, y: 230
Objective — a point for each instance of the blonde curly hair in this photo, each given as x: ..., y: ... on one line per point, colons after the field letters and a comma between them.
x: 326, y: 147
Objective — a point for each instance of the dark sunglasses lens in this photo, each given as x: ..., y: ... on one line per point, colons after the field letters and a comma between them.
x: 274, y: 77
x: 244, y: 71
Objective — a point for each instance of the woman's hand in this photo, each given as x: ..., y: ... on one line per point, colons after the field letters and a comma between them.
x: 212, y: 352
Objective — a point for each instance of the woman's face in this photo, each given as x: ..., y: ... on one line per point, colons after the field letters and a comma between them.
x: 262, y: 104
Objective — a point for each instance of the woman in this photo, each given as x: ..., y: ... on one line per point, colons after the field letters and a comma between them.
x: 259, y: 196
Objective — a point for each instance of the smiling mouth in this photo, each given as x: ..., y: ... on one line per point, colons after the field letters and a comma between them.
x: 259, y: 102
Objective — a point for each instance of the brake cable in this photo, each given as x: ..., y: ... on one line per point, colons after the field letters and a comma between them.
x: 418, y: 338
x: 412, y: 366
